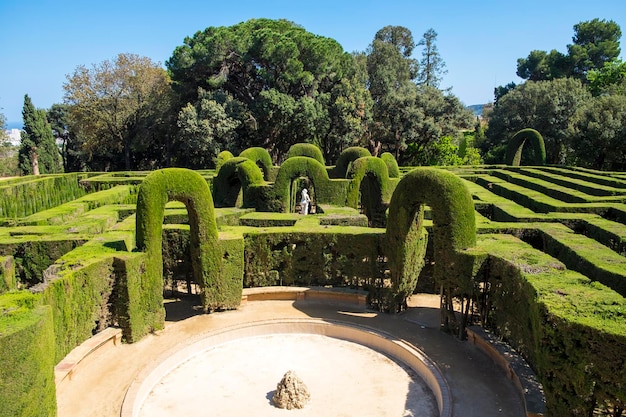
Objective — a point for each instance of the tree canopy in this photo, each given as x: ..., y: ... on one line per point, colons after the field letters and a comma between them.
x: 110, y: 106
x: 284, y: 83
x: 38, y: 153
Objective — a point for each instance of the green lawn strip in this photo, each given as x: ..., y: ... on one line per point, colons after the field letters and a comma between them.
x: 535, y: 200
x: 611, y: 234
x: 578, y: 252
x: 567, y: 293
x: 592, y: 176
x: 564, y: 180
x: 585, y: 255
x: 551, y: 189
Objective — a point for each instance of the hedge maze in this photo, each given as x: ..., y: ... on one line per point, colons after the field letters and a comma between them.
x: 535, y: 253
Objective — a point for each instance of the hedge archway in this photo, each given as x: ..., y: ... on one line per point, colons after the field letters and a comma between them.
x: 308, y: 150
x: 454, y: 229
x: 346, y: 157
x: 361, y: 167
x: 300, y: 166
x: 261, y: 157
x: 516, y: 145
x: 235, y: 175
x: 392, y: 164
x: 189, y: 187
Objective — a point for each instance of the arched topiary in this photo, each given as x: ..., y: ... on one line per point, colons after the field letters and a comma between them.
x: 221, y: 158
x: 346, y: 157
x: 392, y: 164
x: 261, y: 157
x: 454, y: 229
x: 367, y: 165
x: 306, y: 149
x: 300, y: 166
x: 370, y: 181
x: 189, y: 187
x: 236, y: 174
x: 516, y: 145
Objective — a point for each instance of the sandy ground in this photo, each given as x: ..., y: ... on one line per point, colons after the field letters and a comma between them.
x: 97, y: 388
x: 239, y: 379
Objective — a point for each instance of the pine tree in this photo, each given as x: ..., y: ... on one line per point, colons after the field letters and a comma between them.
x: 38, y: 152
x: 432, y: 66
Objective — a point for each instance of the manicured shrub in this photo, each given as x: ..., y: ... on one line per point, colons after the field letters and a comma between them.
x: 221, y: 158
x: 308, y: 150
x: 262, y: 158
x: 516, y: 145
x: 7, y: 274
x: 190, y: 188
x: 345, y: 159
x: 236, y: 175
x: 326, y: 191
x: 369, y: 183
x: 35, y: 193
x: 454, y: 230
x: 392, y: 164
x: 26, y: 357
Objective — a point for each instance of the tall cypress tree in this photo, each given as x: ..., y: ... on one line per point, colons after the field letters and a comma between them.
x: 38, y: 152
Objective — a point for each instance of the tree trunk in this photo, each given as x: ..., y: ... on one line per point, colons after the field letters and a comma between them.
x: 34, y: 160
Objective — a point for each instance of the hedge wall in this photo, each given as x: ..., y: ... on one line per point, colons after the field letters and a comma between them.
x: 36, y: 193
x: 570, y: 329
x: 7, y: 274
x: 341, y: 256
x: 27, y: 361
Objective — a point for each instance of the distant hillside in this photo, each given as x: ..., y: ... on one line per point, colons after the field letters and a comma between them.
x: 477, y: 109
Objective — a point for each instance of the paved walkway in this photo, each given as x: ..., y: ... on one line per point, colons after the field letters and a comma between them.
x: 479, y: 388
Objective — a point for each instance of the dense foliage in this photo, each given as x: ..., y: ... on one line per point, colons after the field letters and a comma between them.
x: 38, y: 153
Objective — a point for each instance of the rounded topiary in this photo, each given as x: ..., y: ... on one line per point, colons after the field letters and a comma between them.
x: 236, y: 174
x: 306, y: 149
x: 189, y: 187
x: 221, y: 158
x: 299, y: 166
x: 345, y: 159
x: 516, y: 145
x: 367, y: 165
x: 454, y: 229
x: 392, y: 164
x: 261, y: 157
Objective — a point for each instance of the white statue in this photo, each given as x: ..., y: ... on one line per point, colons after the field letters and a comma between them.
x: 305, y: 202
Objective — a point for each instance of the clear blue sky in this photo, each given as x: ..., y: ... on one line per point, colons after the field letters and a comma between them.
x: 42, y: 41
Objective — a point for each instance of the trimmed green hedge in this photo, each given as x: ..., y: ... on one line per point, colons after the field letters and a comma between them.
x: 337, y: 256
x: 369, y: 185
x: 26, y: 357
x: 221, y: 158
x: 345, y: 159
x: 190, y: 188
x: 516, y: 145
x: 326, y: 191
x: 392, y: 164
x: 569, y: 328
x: 454, y: 229
x: 36, y: 193
x: 7, y: 274
x: 236, y: 175
x: 306, y: 149
x: 261, y: 157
